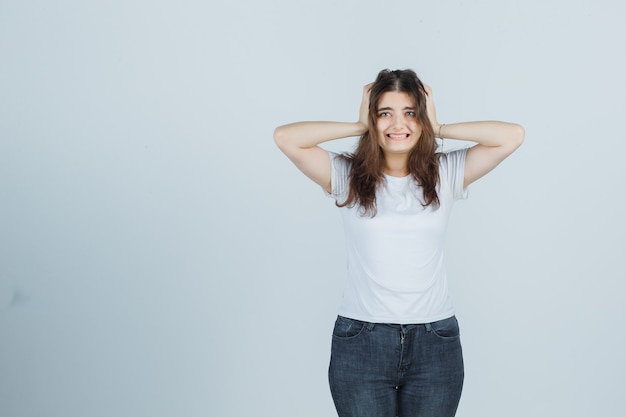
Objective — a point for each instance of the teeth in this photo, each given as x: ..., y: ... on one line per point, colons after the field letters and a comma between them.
x: 391, y: 135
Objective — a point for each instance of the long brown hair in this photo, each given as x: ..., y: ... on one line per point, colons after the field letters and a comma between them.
x: 366, y: 173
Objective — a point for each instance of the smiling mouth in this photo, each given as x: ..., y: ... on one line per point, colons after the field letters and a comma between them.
x: 397, y: 136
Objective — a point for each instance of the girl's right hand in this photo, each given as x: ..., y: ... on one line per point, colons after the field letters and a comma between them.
x: 364, y: 111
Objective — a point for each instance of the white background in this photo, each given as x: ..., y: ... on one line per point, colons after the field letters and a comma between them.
x: 160, y: 257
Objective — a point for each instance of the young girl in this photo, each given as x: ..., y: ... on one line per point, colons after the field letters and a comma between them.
x: 395, y: 346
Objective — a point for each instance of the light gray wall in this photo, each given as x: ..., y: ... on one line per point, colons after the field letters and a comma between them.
x: 160, y: 257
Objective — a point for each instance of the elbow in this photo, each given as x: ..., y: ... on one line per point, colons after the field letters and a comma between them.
x: 517, y: 135
x: 279, y: 137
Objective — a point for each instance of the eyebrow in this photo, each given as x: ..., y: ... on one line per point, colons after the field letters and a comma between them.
x: 389, y: 108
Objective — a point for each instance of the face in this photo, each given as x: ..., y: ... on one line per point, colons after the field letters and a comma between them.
x: 396, y: 123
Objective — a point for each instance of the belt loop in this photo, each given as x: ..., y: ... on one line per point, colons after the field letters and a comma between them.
x: 370, y: 326
x: 428, y: 327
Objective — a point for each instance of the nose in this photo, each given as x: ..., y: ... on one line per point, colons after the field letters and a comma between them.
x: 398, y: 122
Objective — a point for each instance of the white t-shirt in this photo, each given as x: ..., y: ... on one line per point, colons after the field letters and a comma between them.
x: 396, y: 271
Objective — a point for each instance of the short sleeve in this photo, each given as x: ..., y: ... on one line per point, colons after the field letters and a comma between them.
x: 339, y: 177
x: 452, y: 172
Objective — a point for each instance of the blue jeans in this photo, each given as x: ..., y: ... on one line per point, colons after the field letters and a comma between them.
x: 393, y: 370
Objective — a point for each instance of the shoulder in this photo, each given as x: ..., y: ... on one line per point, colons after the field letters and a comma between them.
x: 452, y: 172
x: 451, y: 159
x: 341, y: 163
x: 340, y: 167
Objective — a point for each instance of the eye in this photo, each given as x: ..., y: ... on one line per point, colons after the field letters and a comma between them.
x: 410, y: 113
x: 384, y: 114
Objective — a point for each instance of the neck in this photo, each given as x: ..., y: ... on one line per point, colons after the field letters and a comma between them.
x: 396, y: 165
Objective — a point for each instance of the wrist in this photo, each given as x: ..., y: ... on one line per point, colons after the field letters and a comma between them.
x: 439, y: 131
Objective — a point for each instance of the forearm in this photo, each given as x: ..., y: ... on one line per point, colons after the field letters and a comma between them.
x: 488, y: 133
x: 309, y: 134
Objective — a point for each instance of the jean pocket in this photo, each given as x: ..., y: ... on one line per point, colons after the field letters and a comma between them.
x: 446, y: 328
x: 346, y: 328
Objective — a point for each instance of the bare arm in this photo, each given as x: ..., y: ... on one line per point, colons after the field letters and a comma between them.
x: 495, y: 141
x: 299, y: 141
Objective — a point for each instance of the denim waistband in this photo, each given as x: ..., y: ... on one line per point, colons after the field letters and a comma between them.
x: 413, y: 325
